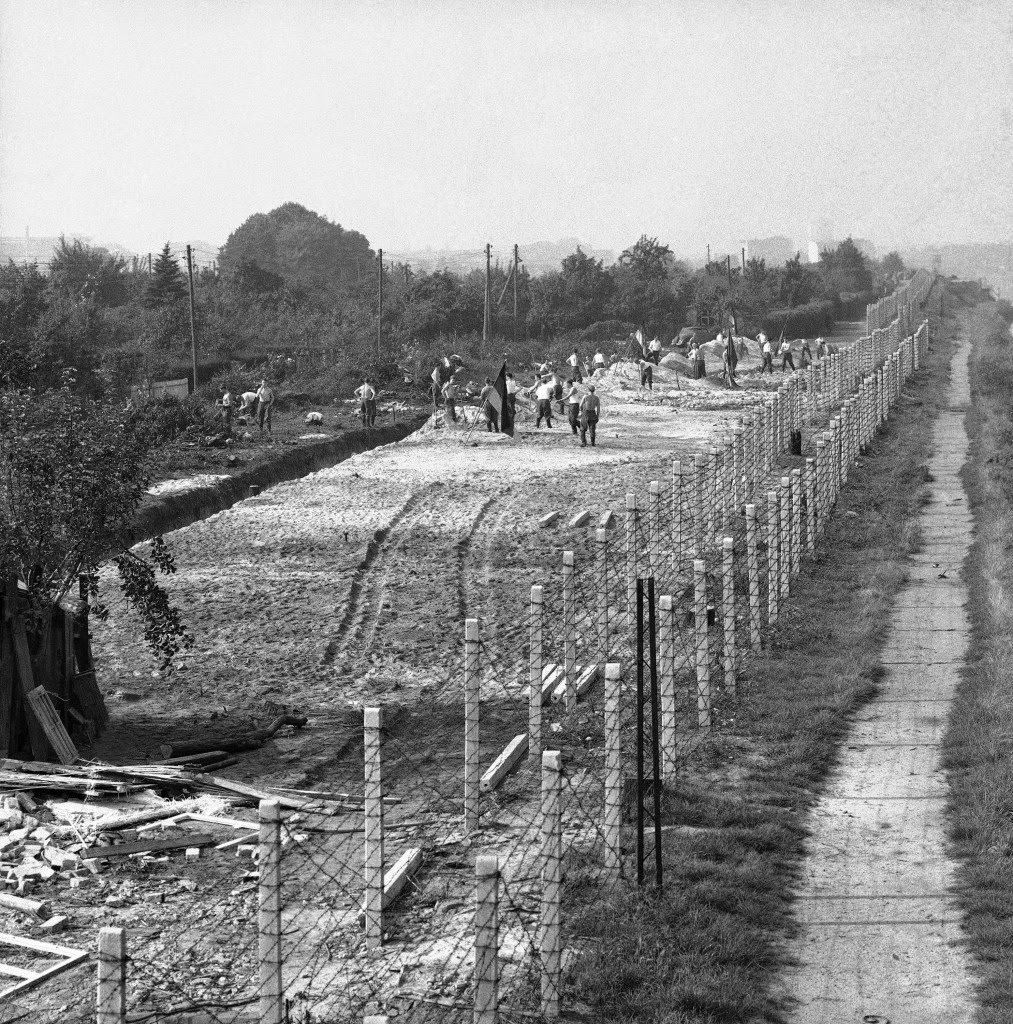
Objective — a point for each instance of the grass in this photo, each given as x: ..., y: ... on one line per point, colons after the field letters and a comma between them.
x: 978, y: 747
x: 711, y: 948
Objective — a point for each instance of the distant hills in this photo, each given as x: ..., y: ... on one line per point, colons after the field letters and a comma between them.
x: 39, y: 249
x: 536, y: 257
x: 991, y: 262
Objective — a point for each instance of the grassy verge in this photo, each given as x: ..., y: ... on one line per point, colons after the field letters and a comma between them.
x: 978, y: 747
x: 711, y: 948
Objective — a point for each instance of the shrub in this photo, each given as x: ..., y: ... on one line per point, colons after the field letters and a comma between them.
x: 802, y: 322
x: 159, y: 420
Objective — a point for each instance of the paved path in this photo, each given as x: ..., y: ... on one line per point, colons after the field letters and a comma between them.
x: 880, y: 931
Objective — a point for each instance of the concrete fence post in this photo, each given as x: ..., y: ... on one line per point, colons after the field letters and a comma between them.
x: 613, y: 802
x: 569, y: 632
x: 550, y: 935
x: 601, y: 540
x: 703, y: 661
x: 753, y: 571
x: 631, y: 563
x: 374, y: 839
x: 677, y: 499
x: 667, y: 631
x: 535, y: 668
x: 796, y: 521
x: 785, y: 556
x: 739, y: 464
x: 810, y: 505
x: 657, y: 543
x: 472, y: 690
x: 699, y: 501
x: 773, y: 557
x: 112, y: 976
x: 486, y: 940
x: 272, y: 988
x: 728, y: 612
x: 710, y: 506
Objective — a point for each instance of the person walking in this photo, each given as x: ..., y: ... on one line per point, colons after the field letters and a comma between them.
x: 821, y: 348
x: 227, y: 403
x: 557, y: 391
x: 511, y: 393
x: 654, y: 351
x: 785, y: 353
x: 646, y: 373
x: 265, y: 396
x: 590, y: 409
x: 806, y: 354
x: 572, y: 405
x: 767, y: 354
x: 543, y: 394
x: 574, y: 360
x: 366, y: 394
x: 490, y: 414
x: 731, y: 361
x: 450, y: 399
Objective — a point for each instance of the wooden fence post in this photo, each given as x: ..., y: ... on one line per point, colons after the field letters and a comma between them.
x: 666, y: 688
x: 550, y: 937
x: 753, y: 570
x: 112, y: 976
x: 773, y: 557
x: 703, y: 662
x: 728, y: 610
x: 631, y: 563
x: 472, y: 685
x: 613, y: 771
x: 535, y: 671
x: 486, y: 939
x: 569, y: 632
x: 272, y: 988
x: 601, y: 566
x: 374, y: 844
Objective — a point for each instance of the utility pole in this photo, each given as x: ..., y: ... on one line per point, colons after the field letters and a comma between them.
x: 743, y: 261
x: 379, y: 301
x: 708, y: 254
x: 487, y: 319
x: 728, y: 264
x: 193, y: 324
x: 517, y: 264
x: 149, y: 264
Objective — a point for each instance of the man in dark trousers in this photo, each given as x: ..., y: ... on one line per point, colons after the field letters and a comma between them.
x: 590, y: 409
x: 490, y: 414
x: 572, y: 399
x: 646, y: 373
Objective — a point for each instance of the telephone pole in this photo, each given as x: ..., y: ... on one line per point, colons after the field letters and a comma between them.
x: 517, y: 264
x: 487, y: 319
x: 193, y: 325
x: 708, y: 254
x: 743, y: 261
x: 379, y: 301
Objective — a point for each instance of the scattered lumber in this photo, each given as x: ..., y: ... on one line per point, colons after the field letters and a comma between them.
x: 207, y: 758
x: 41, y: 704
x: 30, y: 979
x: 170, y: 810
x: 34, y: 908
x: 149, y: 846
x: 233, y: 745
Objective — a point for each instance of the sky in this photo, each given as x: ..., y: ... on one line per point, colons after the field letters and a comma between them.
x: 452, y: 124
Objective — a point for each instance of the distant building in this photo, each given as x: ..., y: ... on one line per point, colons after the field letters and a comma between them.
x: 775, y: 250
x: 821, y: 236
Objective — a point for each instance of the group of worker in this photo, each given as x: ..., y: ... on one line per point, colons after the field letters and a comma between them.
x: 582, y: 409
x: 255, y: 404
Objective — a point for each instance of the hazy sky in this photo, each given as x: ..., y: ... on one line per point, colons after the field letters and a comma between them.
x: 453, y: 124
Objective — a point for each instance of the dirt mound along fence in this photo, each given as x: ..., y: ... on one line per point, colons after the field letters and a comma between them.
x: 48, y: 694
x: 445, y: 879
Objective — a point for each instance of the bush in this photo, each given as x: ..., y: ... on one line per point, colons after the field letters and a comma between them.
x: 802, y: 322
x: 159, y: 420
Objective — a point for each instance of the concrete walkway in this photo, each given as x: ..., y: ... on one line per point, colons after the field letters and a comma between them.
x: 880, y: 932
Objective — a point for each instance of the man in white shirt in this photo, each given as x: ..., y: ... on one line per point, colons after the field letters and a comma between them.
x: 265, y: 395
x: 785, y: 353
x: 450, y: 399
x: 599, y: 363
x: 366, y: 394
x: 574, y: 361
x: 572, y: 399
x: 227, y: 410
x: 654, y: 351
x: 767, y: 353
x: 590, y: 409
x: 490, y: 414
x: 543, y: 393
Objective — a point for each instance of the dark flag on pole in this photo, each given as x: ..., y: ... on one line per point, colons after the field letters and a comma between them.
x: 498, y: 400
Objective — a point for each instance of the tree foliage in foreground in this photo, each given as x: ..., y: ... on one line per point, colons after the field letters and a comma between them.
x: 71, y: 480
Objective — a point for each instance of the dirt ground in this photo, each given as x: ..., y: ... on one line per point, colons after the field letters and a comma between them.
x: 344, y: 589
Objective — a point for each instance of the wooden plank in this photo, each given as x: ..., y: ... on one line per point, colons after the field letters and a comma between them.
x: 16, y: 972
x: 23, y: 668
x: 548, y: 519
x: 6, y: 684
x: 170, y: 810
x: 84, y: 692
x: 40, y: 704
x: 505, y: 763
x: 29, y: 983
x: 148, y: 846
x: 69, y: 668
x: 7, y: 939
x: 580, y: 519
x: 232, y: 786
x: 24, y: 906
x: 607, y: 521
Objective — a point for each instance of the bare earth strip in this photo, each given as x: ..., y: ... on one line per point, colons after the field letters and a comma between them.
x: 881, y: 936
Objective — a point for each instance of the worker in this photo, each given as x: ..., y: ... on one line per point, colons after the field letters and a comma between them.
x: 821, y: 348
x: 450, y: 399
x: 366, y: 394
x: 488, y: 411
x: 731, y: 360
x: 574, y: 360
x: 248, y: 404
x: 766, y: 353
x: 511, y: 392
x: 654, y: 351
x: 265, y: 398
x: 590, y: 409
x: 598, y: 363
x: 806, y: 355
x: 227, y: 402
x: 557, y: 391
x: 646, y: 373
x: 572, y: 399
x: 543, y: 393
x: 700, y: 369
x: 785, y: 353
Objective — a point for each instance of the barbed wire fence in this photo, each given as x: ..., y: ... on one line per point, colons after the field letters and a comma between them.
x: 442, y: 875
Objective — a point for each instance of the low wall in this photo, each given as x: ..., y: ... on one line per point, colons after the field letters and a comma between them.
x: 175, y: 510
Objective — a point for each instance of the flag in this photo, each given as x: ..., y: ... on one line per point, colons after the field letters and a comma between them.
x: 498, y: 400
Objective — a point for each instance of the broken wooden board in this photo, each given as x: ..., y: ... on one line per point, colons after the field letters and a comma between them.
x: 148, y: 846
x: 26, y: 678
x: 505, y: 763
x: 40, y: 704
x: 31, y: 979
x: 85, y: 693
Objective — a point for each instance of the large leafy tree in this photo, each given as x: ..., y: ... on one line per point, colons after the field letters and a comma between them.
x: 574, y: 298
x: 649, y: 287
x: 844, y: 269
x: 86, y: 272
x: 167, y: 286
x: 304, y: 248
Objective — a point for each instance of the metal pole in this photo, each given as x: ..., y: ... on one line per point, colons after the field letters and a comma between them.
x: 193, y: 323
x: 379, y: 302
x: 640, y: 732
x: 517, y: 261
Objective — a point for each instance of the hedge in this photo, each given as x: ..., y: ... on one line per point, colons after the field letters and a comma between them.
x: 802, y: 322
